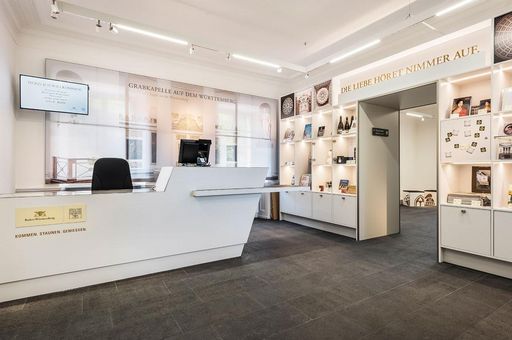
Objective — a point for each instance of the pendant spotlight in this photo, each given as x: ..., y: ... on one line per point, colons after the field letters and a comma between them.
x: 113, y: 29
x: 306, y: 76
x: 54, y: 9
x: 228, y: 56
x: 98, y: 25
x: 192, y: 50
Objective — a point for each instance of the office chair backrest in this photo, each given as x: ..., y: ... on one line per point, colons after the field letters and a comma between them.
x: 111, y: 174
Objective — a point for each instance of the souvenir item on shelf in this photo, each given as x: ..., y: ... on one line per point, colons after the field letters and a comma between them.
x: 343, y: 187
x: 510, y: 196
x: 307, y: 131
x: 304, y: 102
x: 287, y: 106
x: 506, y: 99
x: 355, y: 153
x: 321, y: 131
x: 503, y: 38
x: 347, y: 125
x: 505, y: 150
x: 293, y: 180
x: 507, y: 130
x: 340, y: 125
x: 481, y: 180
x: 289, y: 135
x: 352, y: 189
x: 305, y: 180
x: 328, y: 184
x: 321, y: 187
x: 341, y: 160
x: 469, y: 199
x: 485, y: 106
x: 289, y: 163
x: 353, y: 124
x: 323, y: 93
x: 461, y: 107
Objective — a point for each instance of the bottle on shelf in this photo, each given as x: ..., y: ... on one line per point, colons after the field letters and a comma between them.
x: 347, y: 125
x: 351, y: 122
x: 340, y: 126
x: 293, y: 180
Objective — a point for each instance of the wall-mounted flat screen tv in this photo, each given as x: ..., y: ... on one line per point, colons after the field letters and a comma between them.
x: 45, y: 94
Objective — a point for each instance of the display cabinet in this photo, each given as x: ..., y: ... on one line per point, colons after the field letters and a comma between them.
x: 324, y: 150
x: 475, y: 169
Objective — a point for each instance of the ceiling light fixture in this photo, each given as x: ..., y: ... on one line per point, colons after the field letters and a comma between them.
x: 55, y: 7
x: 228, y: 56
x: 354, y: 51
x: 192, y: 50
x: 113, y: 29
x: 306, y: 76
x: 255, y: 61
x: 151, y: 34
x: 98, y: 25
x: 479, y: 75
x: 453, y: 7
x: 279, y: 70
x: 429, y: 26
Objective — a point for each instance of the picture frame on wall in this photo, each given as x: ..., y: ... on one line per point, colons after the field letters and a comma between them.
x: 485, y: 106
x: 323, y: 94
x: 481, y: 180
x: 288, y: 106
x: 304, y: 102
x: 461, y: 107
x: 503, y: 38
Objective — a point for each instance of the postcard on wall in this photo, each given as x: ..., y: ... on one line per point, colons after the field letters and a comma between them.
x: 288, y: 106
x: 304, y: 102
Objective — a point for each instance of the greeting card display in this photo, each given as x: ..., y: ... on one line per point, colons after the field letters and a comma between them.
x: 466, y: 139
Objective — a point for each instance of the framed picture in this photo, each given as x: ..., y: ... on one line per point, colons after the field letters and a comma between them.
x: 289, y: 135
x: 485, y: 106
x: 481, y: 180
x: 461, y: 107
x: 343, y: 187
x: 287, y: 106
x: 503, y: 38
x: 304, y: 102
x: 323, y: 94
x: 308, y: 131
x: 305, y: 180
x: 321, y: 131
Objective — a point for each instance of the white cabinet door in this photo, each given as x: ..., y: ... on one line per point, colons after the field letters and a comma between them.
x: 466, y: 229
x: 503, y: 235
x: 287, y: 202
x: 344, y: 211
x: 303, y: 204
x: 322, y: 207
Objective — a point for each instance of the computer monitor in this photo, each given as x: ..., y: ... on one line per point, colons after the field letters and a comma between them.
x: 194, y: 152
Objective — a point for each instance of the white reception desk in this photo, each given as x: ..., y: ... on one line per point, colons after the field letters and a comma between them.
x: 55, y: 242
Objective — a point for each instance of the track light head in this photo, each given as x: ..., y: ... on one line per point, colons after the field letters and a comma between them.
x: 98, y: 25
x: 192, y: 49
x: 306, y: 76
x: 228, y: 56
x: 113, y: 29
x: 55, y: 7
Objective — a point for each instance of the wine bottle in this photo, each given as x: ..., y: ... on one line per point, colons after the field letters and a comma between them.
x: 351, y: 121
x: 340, y: 126
x: 347, y: 125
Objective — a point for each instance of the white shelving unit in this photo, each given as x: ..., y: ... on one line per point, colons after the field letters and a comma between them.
x: 324, y: 207
x: 479, y: 237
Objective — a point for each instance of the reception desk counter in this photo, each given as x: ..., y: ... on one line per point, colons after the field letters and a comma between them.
x: 58, y: 241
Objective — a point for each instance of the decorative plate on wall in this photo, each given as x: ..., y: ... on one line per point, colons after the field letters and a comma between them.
x: 323, y: 93
x: 503, y: 38
x: 287, y: 106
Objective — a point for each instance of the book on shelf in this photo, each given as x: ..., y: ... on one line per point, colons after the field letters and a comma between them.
x: 308, y: 131
x: 321, y: 131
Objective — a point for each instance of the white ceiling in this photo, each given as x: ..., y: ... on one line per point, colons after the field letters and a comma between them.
x: 272, y: 30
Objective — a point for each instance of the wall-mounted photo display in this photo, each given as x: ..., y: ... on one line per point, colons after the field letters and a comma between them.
x: 503, y: 38
x: 323, y: 94
x: 485, y: 106
x: 288, y: 106
x: 461, y: 107
x: 481, y: 180
x: 304, y: 102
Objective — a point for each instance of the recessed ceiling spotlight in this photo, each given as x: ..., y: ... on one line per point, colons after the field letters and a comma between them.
x: 98, y: 25
x: 354, y: 51
x: 453, y: 7
x: 192, y: 50
x: 306, y: 76
x: 55, y: 7
x: 228, y: 56
x: 151, y: 34
x: 113, y: 29
x: 279, y: 70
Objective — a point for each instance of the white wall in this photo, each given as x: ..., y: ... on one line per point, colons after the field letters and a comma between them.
x: 7, y: 102
x: 35, y: 47
x: 418, y: 150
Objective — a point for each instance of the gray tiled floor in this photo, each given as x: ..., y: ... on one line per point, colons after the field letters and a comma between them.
x: 291, y: 283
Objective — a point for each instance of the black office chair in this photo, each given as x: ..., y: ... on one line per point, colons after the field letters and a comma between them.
x: 111, y: 174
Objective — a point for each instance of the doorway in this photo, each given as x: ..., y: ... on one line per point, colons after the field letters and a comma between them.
x: 398, y: 163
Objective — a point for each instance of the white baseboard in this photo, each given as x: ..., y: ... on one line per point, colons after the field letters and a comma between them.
x: 324, y: 226
x: 57, y: 283
x: 483, y: 264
